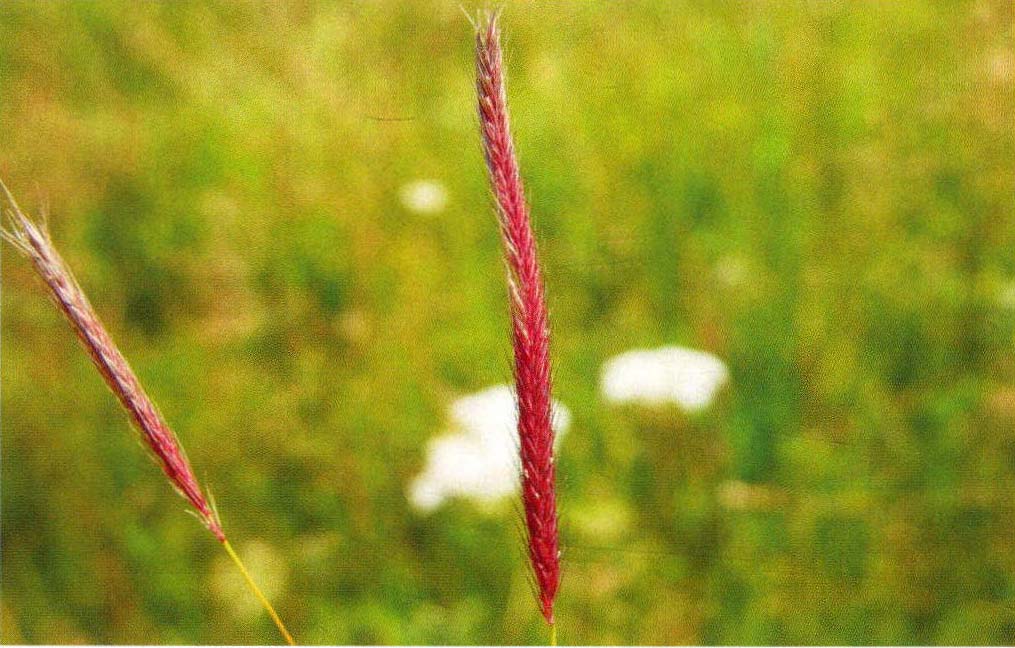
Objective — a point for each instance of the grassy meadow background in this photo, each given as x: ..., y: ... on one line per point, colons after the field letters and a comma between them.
x: 820, y: 193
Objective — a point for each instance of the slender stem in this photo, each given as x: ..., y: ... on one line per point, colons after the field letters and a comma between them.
x: 259, y: 594
x: 553, y: 634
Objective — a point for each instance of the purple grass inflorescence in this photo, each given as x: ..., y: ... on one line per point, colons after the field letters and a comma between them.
x: 529, y: 319
x: 34, y: 242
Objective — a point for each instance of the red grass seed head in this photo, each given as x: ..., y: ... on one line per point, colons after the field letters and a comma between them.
x: 529, y: 319
x: 34, y: 242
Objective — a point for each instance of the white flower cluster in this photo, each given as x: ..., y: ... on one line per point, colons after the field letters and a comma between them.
x: 677, y: 375
x: 424, y: 196
x: 477, y: 457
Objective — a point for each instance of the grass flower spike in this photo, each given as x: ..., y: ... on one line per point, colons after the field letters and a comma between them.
x: 33, y: 241
x: 529, y: 320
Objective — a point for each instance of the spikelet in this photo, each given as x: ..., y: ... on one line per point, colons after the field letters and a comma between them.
x: 34, y: 242
x: 529, y: 320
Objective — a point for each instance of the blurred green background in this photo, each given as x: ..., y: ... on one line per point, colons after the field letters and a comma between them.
x: 820, y: 193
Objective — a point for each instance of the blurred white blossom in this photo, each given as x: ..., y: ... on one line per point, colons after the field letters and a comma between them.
x: 424, y: 196
x: 477, y: 458
x: 731, y: 271
x: 1006, y: 295
x: 672, y: 374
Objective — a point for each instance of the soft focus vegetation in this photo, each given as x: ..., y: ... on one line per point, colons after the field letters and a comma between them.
x: 820, y: 193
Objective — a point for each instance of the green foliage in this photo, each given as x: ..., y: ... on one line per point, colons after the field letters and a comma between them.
x: 819, y: 193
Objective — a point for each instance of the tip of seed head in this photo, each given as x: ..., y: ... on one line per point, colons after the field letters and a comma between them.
x: 485, y: 23
x: 548, y: 612
x: 20, y: 229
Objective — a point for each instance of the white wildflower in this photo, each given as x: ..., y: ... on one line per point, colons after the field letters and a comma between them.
x: 686, y: 377
x: 477, y: 458
x: 424, y: 196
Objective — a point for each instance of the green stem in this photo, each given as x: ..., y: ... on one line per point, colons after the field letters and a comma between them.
x: 259, y: 594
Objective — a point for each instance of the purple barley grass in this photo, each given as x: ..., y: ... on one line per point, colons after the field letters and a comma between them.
x: 34, y: 242
x: 529, y: 319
